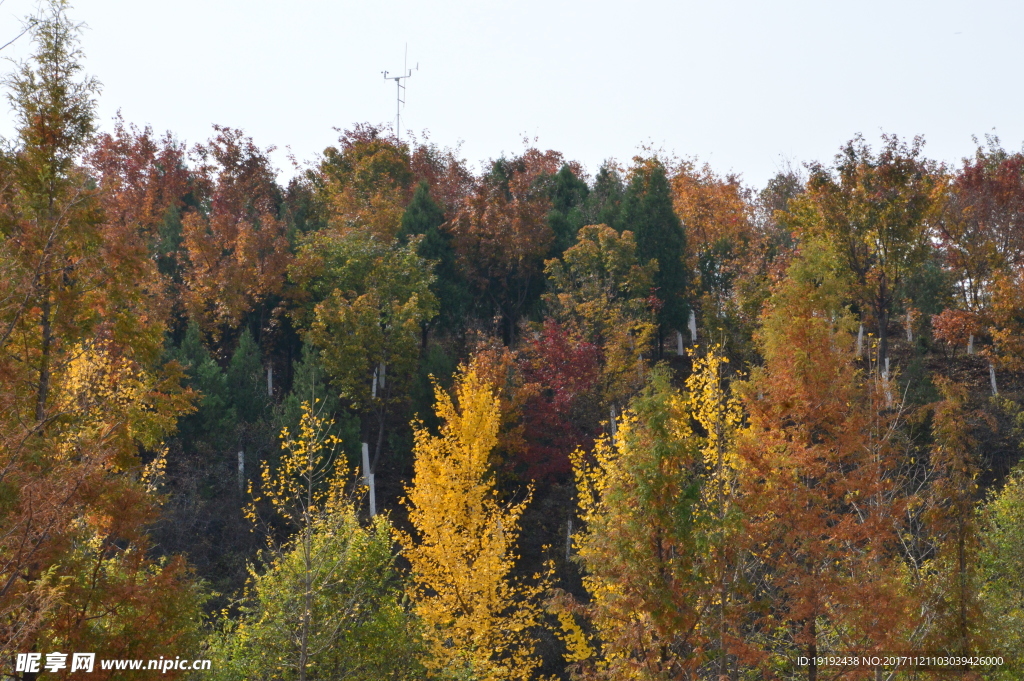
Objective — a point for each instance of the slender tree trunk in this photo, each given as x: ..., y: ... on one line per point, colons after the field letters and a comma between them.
x: 307, y: 604
x: 812, y: 653
x: 724, y: 662
x: 381, y: 420
x: 964, y: 634
x: 882, y: 314
x: 44, y: 360
x: 307, y: 580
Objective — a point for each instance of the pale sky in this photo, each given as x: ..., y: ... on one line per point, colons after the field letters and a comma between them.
x: 744, y: 85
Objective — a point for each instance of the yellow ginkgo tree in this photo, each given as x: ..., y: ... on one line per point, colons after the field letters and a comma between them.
x: 720, y: 416
x: 476, y: 619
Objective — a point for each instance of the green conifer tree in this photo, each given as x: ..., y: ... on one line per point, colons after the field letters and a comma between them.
x: 245, y: 381
x: 424, y: 216
x: 568, y: 195
x: 647, y: 212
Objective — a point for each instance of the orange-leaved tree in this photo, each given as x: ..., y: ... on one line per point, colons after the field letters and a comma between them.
x: 818, y: 488
x: 501, y: 235
x: 952, y: 575
x: 235, y: 241
x: 720, y: 234
x: 84, y: 392
x: 145, y: 186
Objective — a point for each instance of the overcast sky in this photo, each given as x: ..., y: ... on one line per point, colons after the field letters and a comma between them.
x: 745, y: 85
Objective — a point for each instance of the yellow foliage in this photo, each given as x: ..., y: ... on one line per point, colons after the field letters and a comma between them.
x: 577, y: 646
x: 106, y: 399
x: 309, y: 479
x: 475, y: 618
x: 656, y: 505
x: 720, y: 414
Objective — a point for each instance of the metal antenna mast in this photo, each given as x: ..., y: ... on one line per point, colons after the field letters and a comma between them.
x: 399, y: 102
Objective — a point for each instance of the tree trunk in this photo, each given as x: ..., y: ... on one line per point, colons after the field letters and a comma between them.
x: 883, y: 337
x: 812, y: 653
x: 720, y: 466
x: 369, y: 481
x: 882, y: 302
x: 307, y: 602
x: 964, y: 631
x: 44, y: 359
x: 241, y: 471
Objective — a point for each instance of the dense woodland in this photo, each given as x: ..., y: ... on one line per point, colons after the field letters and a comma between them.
x: 398, y: 419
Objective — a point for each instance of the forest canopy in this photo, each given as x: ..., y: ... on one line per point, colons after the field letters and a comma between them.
x: 403, y: 418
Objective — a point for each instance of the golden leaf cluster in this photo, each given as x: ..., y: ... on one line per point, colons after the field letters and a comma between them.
x: 476, y: 619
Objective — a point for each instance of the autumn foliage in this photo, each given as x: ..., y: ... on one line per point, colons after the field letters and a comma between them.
x: 651, y: 423
x: 477, y: 617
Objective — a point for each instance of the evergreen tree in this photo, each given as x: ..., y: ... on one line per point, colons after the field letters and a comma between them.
x: 214, y: 415
x: 647, y: 212
x: 424, y: 216
x: 604, y: 201
x: 245, y: 381
x: 568, y: 195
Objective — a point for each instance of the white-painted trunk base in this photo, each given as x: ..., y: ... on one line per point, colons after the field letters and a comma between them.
x: 241, y: 470
x: 368, y: 480
x: 885, y: 384
x: 568, y: 540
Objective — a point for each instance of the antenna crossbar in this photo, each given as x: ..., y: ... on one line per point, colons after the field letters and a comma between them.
x: 400, y: 90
